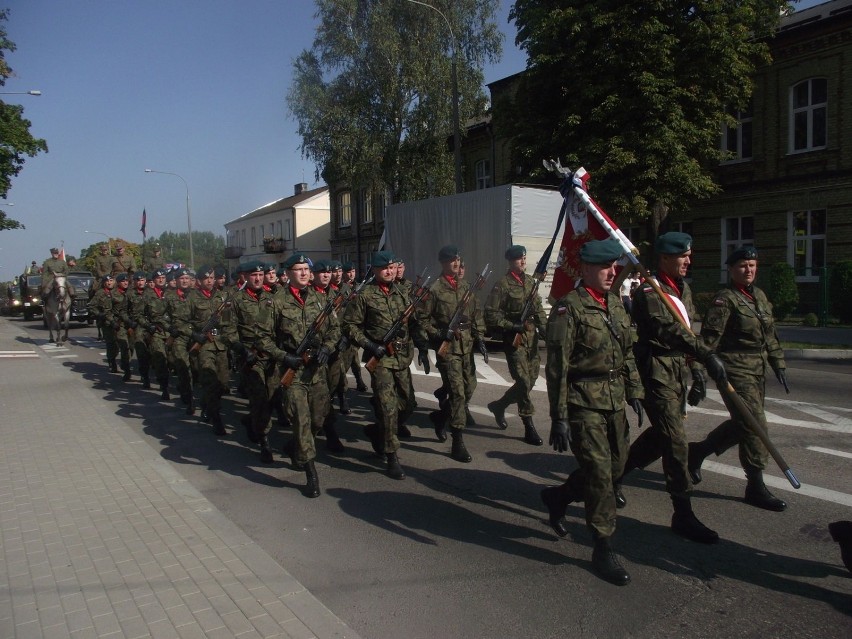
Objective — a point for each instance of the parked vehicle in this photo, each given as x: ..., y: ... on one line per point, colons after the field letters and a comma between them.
x: 14, y: 306
x: 31, y: 301
x: 82, y: 282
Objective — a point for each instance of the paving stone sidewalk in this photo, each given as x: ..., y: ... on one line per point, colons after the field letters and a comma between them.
x: 101, y: 537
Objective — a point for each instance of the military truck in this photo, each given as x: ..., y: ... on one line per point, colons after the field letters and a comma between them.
x: 31, y: 302
x: 82, y: 282
x: 13, y: 300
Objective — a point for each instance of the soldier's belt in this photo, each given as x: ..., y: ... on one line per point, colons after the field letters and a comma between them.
x: 609, y: 376
x: 658, y: 351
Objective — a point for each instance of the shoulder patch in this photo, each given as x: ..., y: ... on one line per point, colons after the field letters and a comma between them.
x: 561, y: 310
x: 718, y: 302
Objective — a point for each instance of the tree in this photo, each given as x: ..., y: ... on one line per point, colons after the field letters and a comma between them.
x: 373, y: 97
x: 15, y: 137
x: 208, y: 249
x: 637, y: 92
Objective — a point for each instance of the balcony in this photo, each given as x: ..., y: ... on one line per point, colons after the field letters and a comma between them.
x: 274, y: 245
x: 233, y: 252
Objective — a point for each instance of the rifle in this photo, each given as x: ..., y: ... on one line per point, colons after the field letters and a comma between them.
x: 456, y: 319
x: 529, y: 305
x: 213, y: 320
x: 344, y: 342
x: 396, y: 327
x: 303, y: 349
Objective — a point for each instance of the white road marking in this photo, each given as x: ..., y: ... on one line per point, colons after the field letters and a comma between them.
x: 17, y: 354
x: 830, y: 451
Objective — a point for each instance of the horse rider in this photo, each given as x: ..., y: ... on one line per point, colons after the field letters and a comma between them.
x: 122, y: 262
x: 52, y: 266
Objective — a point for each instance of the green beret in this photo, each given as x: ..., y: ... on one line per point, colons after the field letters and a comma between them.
x: 219, y: 271
x: 673, y: 243
x: 382, y: 258
x: 269, y: 267
x: 121, y: 277
x: 181, y: 271
x: 335, y: 265
x: 205, y: 271
x: 296, y: 258
x: 281, y: 271
x: 448, y: 253
x: 601, y: 252
x: 349, y: 266
x: 160, y: 272
x: 140, y: 275
x: 742, y: 253
x: 253, y: 266
x: 516, y: 252
x: 106, y: 278
x: 320, y: 266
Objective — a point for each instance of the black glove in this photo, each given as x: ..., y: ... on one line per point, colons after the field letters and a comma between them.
x: 636, y: 405
x: 716, y: 368
x: 174, y: 332
x: 480, y: 345
x: 559, y: 435
x: 519, y: 327
x: 293, y: 362
x: 321, y: 355
x: 450, y: 336
x: 423, y: 360
x: 376, y: 350
x: 781, y: 376
x: 198, y: 338
x: 699, y: 388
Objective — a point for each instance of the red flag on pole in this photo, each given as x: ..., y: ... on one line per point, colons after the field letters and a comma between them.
x: 62, y: 253
x: 144, y: 221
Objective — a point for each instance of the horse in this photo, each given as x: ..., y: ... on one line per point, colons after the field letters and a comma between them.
x: 57, y: 308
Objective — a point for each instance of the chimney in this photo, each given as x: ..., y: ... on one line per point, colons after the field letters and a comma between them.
x: 300, y: 188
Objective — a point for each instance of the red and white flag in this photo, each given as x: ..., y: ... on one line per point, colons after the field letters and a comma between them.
x: 62, y: 253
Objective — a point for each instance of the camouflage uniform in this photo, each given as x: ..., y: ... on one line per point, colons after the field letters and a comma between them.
x: 49, y: 268
x: 368, y: 318
x: 120, y: 317
x: 101, y: 307
x: 135, y: 314
x: 306, y: 399
x: 590, y: 374
x: 503, y: 310
x: 180, y: 330
x: 154, y: 321
x: 213, y: 371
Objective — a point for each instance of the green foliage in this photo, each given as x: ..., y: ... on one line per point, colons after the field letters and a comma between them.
x: 782, y: 290
x: 636, y: 92
x: 810, y: 320
x: 841, y: 290
x: 207, y: 248
x: 16, y: 141
x: 373, y: 97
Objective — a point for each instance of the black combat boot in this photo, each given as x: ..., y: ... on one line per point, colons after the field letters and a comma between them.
x: 312, y: 488
x: 686, y: 524
x: 360, y: 386
x: 841, y: 532
x: 164, y: 391
x: 499, y: 412
x: 606, y: 565
x: 245, y: 420
x: 113, y: 367
x: 190, y: 404
x: 531, y: 435
x: 343, y: 403
x: 756, y: 493
x: 126, y: 376
x: 332, y: 440
x: 402, y: 430
x: 394, y: 469
x: 439, y: 421
x: 620, y: 499
x: 265, y: 452
x: 146, y: 382
x: 698, y: 452
x: 459, y: 452
x: 556, y: 499
x: 376, y: 436
x: 218, y: 426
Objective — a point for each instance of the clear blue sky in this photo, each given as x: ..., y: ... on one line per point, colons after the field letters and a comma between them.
x: 194, y: 87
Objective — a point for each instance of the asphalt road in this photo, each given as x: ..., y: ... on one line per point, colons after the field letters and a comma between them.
x: 463, y: 550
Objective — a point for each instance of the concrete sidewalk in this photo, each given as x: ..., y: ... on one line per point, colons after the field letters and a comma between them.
x: 101, y: 537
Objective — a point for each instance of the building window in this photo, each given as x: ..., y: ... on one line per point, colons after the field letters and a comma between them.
x: 383, y: 203
x: 736, y: 140
x: 344, y: 209
x: 806, y: 245
x: 253, y: 236
x: 482, y: 170
x: 736, y: 232
x: 243, y: 238
x: 367, y: 206
x: 288, y: 230
x: 262, y: 233
x: 808, y: 106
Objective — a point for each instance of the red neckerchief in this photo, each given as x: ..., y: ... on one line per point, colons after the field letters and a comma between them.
x: 665, y: 279
x: 206, y: 293
x: 181, y: 293
x: 384, y: 288
x: 320, y: 289
x: 252, y: 294
x: 745, y: 291
x: 267, y: 288
x: 108, y: 292
x: 518, y: 278
x: 158, y: 292
x: 333, y: 287
x: 297, y: 293
x: 451, y: 280
x: 599, y: 297
x: 139, y: 291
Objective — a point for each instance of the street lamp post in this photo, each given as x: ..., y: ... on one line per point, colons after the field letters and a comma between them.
x: 455, y: 83
x: 188, y: 216
x: 108, y: 238
x: 34, y: 92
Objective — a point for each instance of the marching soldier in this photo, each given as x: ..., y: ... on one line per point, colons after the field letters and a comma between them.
x: 368, y: 318
x: 213, y: 371
x: 503, y: 311
x: 306, y: 399
x: 122, y: 263
x: 456, y: 367
x: 221, y: 278
x: 120, y: 322
x: 661, y: 354
x: 49, y: 268
x: 135, y: 314
x: 100, y: 306
x: 350, y: 358
x: 740, y: 327
x: 591, y: 373
x: 180, y: 331
x: 155, y: 261
x: 154, y: 321
x: 270, y: 278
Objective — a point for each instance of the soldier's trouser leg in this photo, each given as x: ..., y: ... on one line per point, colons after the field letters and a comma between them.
x: 260, y: 386
x: 143, y: 359
x: 213, y: 377
x: 297, y: 407
x: 111, y: 344
x: 523, y: 368
x: 390, y: 388
x: 752, y: 390
x: 599, y: 441
x: 452, y: 372
x: 159, y: 360
x: 181, y: 366
x: 666, y: 420
x: 124, y: 352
